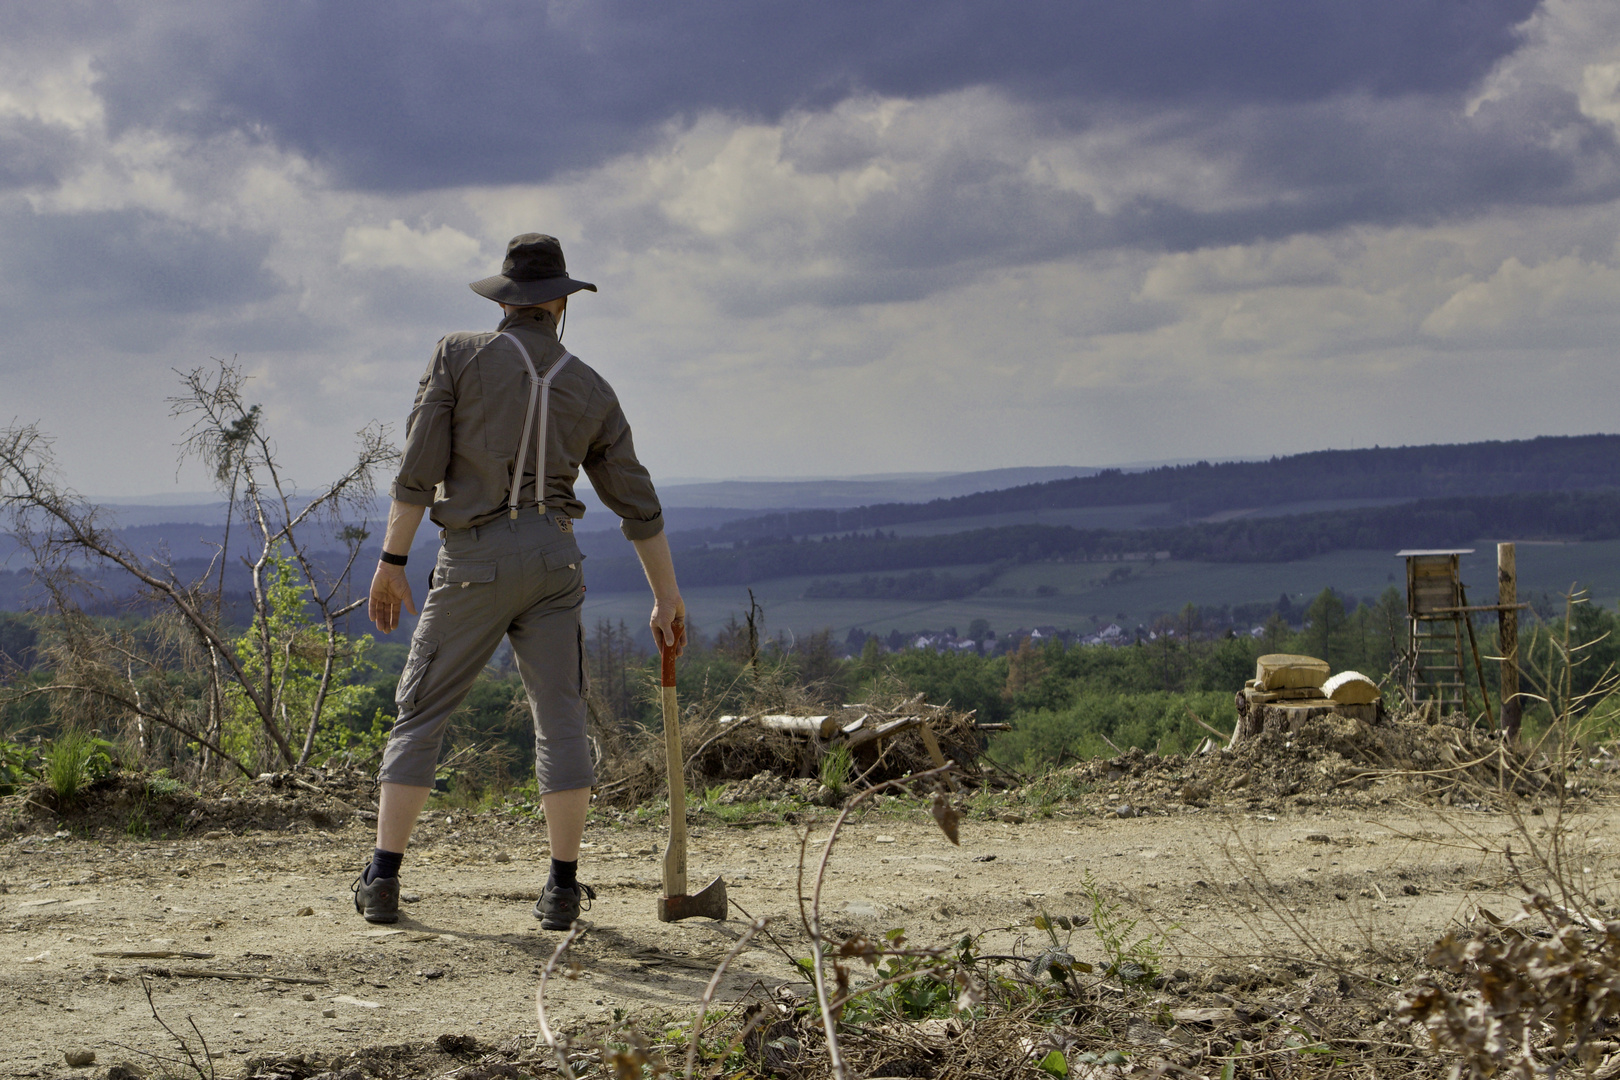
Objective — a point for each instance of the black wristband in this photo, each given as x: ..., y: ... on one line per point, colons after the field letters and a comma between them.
x: 394, y: 560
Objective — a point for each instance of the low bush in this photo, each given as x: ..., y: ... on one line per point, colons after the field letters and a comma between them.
x: 1158, y: 721
x: 15, y: 766
x: 74, y: 761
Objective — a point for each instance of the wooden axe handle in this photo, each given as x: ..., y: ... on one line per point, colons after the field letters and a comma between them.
x: 674, y: 758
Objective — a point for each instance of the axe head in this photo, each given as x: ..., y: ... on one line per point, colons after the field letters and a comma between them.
x: 708, y: 902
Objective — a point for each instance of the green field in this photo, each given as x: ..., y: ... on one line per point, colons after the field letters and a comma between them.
x: 1084, y: 601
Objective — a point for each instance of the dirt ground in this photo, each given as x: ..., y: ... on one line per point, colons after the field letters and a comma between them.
x: 1231, y: 886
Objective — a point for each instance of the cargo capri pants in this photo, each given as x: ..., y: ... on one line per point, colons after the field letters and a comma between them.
x: 520, y: 578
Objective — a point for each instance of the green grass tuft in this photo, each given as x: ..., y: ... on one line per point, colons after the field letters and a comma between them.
x: 836, y: 769
x: 73, y: 762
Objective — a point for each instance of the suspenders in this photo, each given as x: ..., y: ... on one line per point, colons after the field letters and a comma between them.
x: 542, y: 387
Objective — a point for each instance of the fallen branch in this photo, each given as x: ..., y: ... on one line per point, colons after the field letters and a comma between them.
x: 709, y: 992
x: 242, y: 976
x: 882, y: 731
x: 557, y: 1048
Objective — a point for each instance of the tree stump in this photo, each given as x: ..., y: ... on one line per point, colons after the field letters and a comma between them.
x: 1256, y: 717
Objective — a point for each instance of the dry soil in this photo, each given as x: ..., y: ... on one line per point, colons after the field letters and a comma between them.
x: 1228, y: 887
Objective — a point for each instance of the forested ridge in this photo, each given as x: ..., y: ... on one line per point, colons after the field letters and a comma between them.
x: 1548, y: 464
x: 1565, y: 515
x: 1545, y: 488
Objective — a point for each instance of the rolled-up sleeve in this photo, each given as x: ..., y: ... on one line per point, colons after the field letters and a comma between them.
x: 621, y: 481
x: 426, y: 457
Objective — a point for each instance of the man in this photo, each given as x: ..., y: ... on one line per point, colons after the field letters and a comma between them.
x: 502, y: 424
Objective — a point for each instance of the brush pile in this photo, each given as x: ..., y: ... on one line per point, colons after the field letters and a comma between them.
x: 882, y: 741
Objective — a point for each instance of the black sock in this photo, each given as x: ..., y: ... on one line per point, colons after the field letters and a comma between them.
x: 564, y: 875
x: 383, y: 864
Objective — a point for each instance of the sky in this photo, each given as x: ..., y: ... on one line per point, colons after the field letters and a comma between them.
x: 830, y: 239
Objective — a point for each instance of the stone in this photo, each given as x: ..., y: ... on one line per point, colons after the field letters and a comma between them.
x: 80, y: 1058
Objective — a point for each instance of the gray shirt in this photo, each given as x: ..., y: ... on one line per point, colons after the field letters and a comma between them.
x: 461, y: 442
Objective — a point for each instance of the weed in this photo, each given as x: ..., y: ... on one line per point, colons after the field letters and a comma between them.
x: 1132, y: 960
x: 836, y: 769
x: 911, y: 986
x: 1047, y: 792
x: 160, y: 784
x: 139, y: 823
x: 73, y: 762
x: 14, y: 766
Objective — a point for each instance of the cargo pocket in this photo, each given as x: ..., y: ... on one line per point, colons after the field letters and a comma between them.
x: 416, y: 665
x: 464, y: 575
x: 584, y: 668
x: 566, y: 557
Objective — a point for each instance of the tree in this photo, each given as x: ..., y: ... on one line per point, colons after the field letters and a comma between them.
x: 612, y: 656
x: 1325, y: 623
x: 311, y: 680
x: 189, y: 673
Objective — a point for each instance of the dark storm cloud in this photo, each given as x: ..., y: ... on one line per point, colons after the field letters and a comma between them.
x: 34, y: 153
x: 402, y: 97
x: 1308, y: 167
x: 113, y: 261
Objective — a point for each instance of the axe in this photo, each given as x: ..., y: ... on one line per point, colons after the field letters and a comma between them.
x: 710, y: 901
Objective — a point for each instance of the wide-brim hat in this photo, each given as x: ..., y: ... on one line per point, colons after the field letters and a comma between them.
x: 533, y: 273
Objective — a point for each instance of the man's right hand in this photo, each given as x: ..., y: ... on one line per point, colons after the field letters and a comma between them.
x: 389, y: 590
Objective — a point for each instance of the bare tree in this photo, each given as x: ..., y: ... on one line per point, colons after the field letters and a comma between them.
x: 70, y: 543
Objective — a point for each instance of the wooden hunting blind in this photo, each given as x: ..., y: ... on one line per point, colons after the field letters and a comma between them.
x: 1436, y: 618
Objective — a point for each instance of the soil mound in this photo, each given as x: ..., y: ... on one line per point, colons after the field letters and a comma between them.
x: 1333, y: 758
x: 140, y: 804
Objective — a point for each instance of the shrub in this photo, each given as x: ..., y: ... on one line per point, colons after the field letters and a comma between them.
x: 1154, y: 721
x: 836, y: 769
x: 14, y: 766
x: 73, y: 762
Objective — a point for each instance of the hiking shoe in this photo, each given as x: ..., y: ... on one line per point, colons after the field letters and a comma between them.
x: 558, y: 908
x: 377, y: 901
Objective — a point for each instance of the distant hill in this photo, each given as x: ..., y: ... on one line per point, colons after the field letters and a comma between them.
x: 1561, y: 515
x: 1201, y: 490
x: 1246, y: 511
x: 843, y: 492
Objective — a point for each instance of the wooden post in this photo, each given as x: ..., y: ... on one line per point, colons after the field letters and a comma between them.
x: 1507, y: 633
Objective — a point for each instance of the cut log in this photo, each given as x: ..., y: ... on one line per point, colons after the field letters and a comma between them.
x: 882, y: 731
x: 822, y: 727
x: 1283, y: 671
x: 1351, y: 688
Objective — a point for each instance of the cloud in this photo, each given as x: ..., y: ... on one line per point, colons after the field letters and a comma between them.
x: 1563, y: 303
x: 398, y: 245
x: 509, y: 91
x: 844, y: 239
x: 128, y: 260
